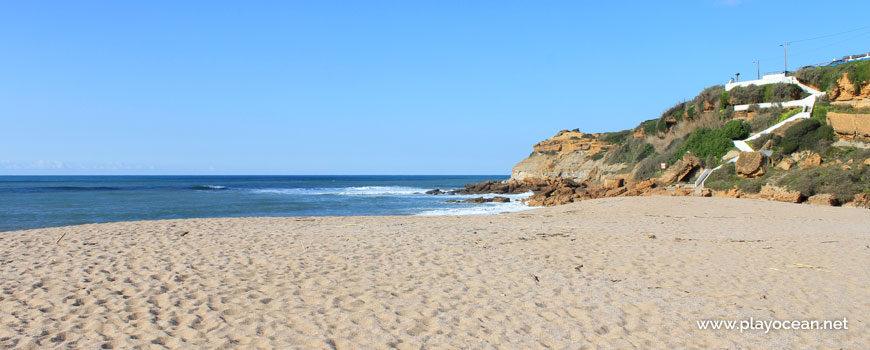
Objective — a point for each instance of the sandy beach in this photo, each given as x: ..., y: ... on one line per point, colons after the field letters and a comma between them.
x: 616, y: 273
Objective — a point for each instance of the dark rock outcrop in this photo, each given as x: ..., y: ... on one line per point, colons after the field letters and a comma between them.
x: 480, y: 200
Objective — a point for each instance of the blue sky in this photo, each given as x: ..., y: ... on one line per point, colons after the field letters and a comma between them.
x: 378, y: 87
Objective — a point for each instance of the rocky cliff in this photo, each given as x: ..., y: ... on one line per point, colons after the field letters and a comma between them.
x: 570, y: 154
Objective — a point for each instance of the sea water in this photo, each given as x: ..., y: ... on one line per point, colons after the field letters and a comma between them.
x: 45, y: 201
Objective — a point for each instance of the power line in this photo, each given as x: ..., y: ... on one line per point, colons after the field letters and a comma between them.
x: 816, y: 49
x: 829, y: 35
x: 785, y: 45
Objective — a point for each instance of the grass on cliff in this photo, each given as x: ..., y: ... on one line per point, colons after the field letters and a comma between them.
x: 629, y: 152
x: 845, y: 108
x: 832, y: 178
x: 712, y: 143
x: 650, y: 167
x: 726, y: 178
x: 788, y: 114
x: 764, y: 119
x: 708, y: 101
x: 843, y: 183
x: 807, y: 134
x: 779, y: 92
x: 820, y: 110
x: 615, y: 137
x: 826, y: 77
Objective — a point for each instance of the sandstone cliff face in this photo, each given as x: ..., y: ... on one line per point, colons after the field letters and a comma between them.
x: 845, y: 90
x: 569, y: 154
x: 850, y: 124
x: 567, y: 141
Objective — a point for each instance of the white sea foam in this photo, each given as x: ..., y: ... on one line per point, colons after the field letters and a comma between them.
x: 381, y: 191
x: 482, y: 209
x: 209, y: 187
x: 346, y: 191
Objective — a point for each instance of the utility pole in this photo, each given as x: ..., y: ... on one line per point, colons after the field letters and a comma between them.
x: 785, y: 47
x: 758, y: 68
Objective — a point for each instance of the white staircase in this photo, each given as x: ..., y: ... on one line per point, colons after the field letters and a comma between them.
x: 807, y: 104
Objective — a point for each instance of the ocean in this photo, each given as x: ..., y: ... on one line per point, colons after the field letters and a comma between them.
x: 46, y: 201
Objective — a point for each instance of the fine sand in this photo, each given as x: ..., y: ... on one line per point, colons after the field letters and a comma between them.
x: 581, y: 276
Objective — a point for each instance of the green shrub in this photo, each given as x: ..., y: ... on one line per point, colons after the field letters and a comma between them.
x: 677, y: 111
x: 661, y: 126
x: 781, y: 92
x: 726, y: 113
x: 812, y: 76
x: 742, y: 95
x: 806, y: 135
x: 709, y: 96
x: 649, y: 126
x: 767, y: 95
x: 704, y: 142
x: 859, y: 74
x: 759, y: 142
x: 724, y: 100
x: 778, y: 92
x: 820, y: 113
x: 802, y: 128
x: 736, y: 129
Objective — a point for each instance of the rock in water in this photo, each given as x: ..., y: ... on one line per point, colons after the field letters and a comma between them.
x: 480, y: 200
